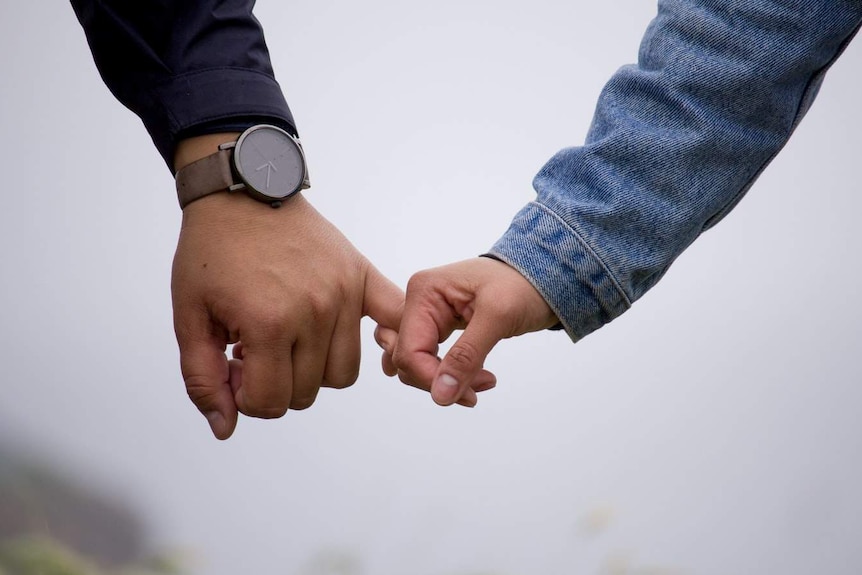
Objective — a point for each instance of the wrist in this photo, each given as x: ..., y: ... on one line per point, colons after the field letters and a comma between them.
x: 237, y: 212
x: 264, y: 162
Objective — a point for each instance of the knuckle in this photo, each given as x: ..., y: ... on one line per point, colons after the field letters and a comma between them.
x: 318, y: 306
x: 397, y: 357
x: 388, y: 366
x: 419, y: 281
x: 269, y: 326
x: 267, y: 321
x: 269, y: 412
x: 413, y: 380
x: 199, y: 391
x: 462, y: 355
x: 342, y: 379
x: 406, y: 378
x: 302, y: 403
x: 401, y: 359
x: 254, y: 407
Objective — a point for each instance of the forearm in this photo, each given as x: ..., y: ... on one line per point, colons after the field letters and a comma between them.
x: 675, y: 142
x: 185, y: 68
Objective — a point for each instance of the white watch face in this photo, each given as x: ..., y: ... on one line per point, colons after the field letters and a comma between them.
x: 269, y: 161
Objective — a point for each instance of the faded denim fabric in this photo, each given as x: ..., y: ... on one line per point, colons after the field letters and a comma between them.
x: 676, y: 141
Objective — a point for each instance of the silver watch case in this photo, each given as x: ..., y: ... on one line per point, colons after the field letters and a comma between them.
x: 269, y: 164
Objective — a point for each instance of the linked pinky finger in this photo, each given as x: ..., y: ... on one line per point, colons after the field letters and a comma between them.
x: 485, y: 380
x: 388, y: 365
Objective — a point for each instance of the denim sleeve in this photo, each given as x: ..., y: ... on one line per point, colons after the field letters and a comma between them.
x: 675, y: 142
x: 185, y: 67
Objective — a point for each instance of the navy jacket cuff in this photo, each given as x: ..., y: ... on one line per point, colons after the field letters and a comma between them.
x: 212, y: 100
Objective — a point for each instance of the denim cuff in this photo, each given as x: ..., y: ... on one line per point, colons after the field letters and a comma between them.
x: 200, y: 101
x: 563, y: 268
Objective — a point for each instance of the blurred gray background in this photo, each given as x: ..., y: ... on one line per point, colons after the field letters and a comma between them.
x: 713, y: 429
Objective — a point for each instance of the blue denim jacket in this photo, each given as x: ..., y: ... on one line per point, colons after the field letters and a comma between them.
x: 676, y: 141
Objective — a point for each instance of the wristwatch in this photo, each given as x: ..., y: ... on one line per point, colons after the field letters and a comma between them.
x: 266, y: 163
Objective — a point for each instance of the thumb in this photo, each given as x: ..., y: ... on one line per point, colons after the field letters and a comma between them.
x: 207, y: 376
x: 384, y: 301
x: 464, y: 361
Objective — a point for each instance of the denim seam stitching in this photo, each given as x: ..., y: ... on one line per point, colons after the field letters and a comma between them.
x: 589, y: 250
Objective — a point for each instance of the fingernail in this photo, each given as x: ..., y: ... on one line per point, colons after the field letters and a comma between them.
x: 447, y: 380
x: 216, y: 421
x: 444, y: 389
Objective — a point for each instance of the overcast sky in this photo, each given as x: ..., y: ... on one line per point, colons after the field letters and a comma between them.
x: 713, y: 429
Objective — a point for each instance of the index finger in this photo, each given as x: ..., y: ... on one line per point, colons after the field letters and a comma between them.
x: 416, y: 349
x: 415, y: 355
x: 265, y: 383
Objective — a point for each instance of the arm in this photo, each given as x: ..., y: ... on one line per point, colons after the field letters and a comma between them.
x: 283, y: 281
x: 676, y: 141
x: 185, y: 68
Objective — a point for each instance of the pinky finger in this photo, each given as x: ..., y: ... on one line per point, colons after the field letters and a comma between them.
x: 468, y: 399
x: 484, y: 381
x: 388, y: 365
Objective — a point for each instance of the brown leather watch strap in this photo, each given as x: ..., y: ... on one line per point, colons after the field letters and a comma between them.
x: 205, y: 176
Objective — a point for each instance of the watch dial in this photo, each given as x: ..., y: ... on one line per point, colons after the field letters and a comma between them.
x: 269, y: 162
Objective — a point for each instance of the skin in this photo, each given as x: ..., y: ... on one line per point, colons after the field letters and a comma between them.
x: 486, y: 298
x: 286, y: 283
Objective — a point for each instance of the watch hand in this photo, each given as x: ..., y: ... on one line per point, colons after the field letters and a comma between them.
x: 270, y: 168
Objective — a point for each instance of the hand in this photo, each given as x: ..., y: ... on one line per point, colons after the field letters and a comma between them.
x: 486, y: 298
x: 287, y: 284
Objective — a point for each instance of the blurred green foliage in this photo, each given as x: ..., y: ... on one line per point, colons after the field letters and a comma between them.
x: 53, y: 525
x: 50, y: 525
x: 39, y: 555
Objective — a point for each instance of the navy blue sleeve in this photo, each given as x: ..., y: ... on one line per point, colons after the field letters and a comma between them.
x: 185, y: 67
